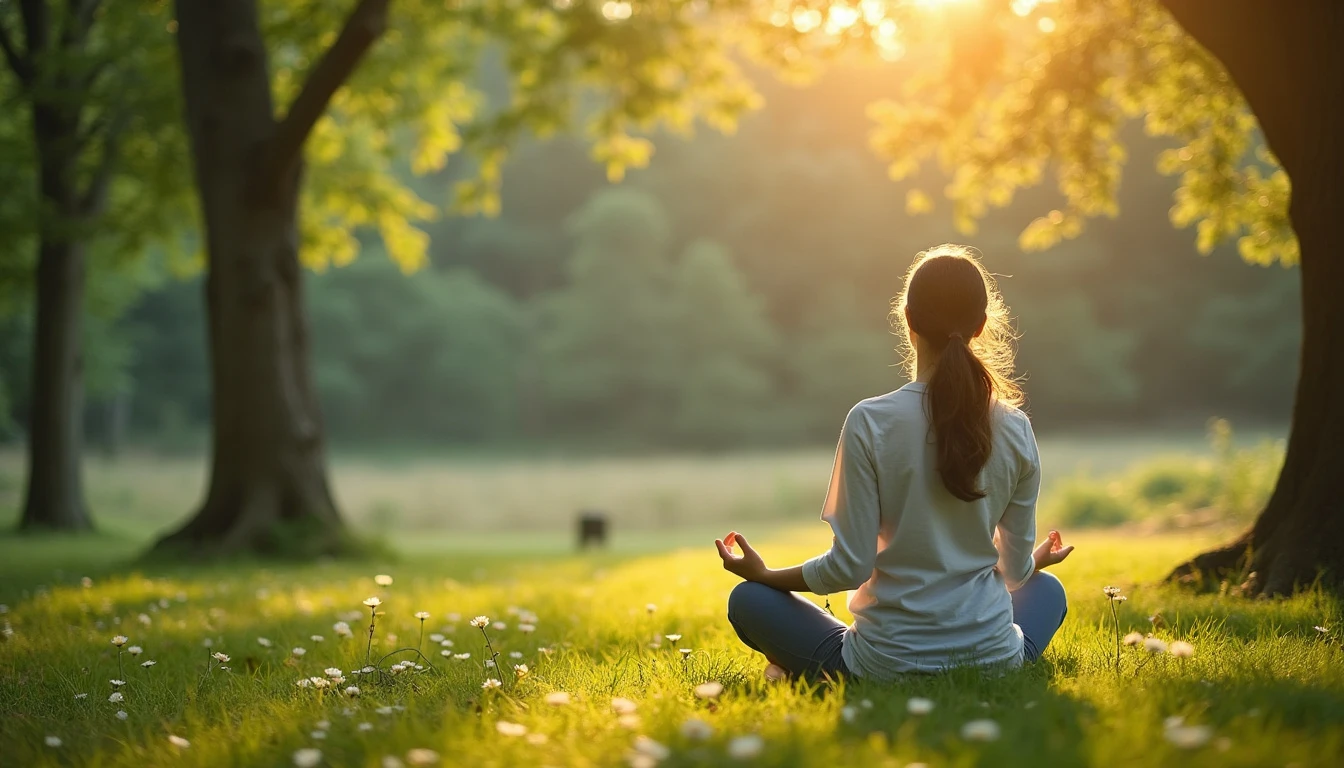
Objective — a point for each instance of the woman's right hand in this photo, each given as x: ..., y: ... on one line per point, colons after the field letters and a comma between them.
x: 1051, y: 551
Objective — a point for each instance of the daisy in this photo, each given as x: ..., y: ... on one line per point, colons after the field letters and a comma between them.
x: 116, y: 697
x: 382, y: 580
x: 437, y: 637
x: 307, y: 757
x: 745, y: 747
x: 148, y: 663
x: 263, y: 642
x: 696, y: 729
x: 119, y: 640
x: 686, y: 653
x: 527, y: 629
x: 317, y: 638
x: 490, y: 683
x: 623, y: 706
x: 135, y: 650
x: 515, y: 654
x: 352, y: 691
x: 499, y: 626
x: 364, y: 727
x: 650, y: 607
x: 480, y: 622
x: 557, y: 698
x: 373, y: 602
x: 672, y: 638
x: 342, y: 629
x: 506, y: 728
x: 443, y: 642
x: 460, y: 656
x: 520, y: 670
x: 332, y: 672
x: 654, y: 749
x: 918, y: 706
x: 299, y: 651
x: 422, y: 757
x: 117, y: 683
x: 53, y: 741
x: 710, y: 690
x: 629, y: 722
x: 222, y: 658
x: 536, y: 738
x: 980, y: 730
x: 121, y: 714
x: 179, y: 742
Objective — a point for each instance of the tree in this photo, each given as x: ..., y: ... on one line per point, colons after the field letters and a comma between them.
x: 268, y: 480
x: 1031, y: 85
x: 94, y: 152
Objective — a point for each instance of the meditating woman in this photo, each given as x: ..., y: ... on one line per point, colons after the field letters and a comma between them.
x: 933, y: 505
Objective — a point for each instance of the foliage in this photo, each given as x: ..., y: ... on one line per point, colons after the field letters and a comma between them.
x: 1024, y: 88
x: 1176, y: 492
x: 1262, y: 678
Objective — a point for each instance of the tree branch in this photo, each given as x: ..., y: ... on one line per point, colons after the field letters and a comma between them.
x: 17, y: 62
x: 363, y: 26
x: 94, y: 199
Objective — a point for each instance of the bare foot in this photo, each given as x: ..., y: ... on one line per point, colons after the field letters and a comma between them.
x: 775, y: 672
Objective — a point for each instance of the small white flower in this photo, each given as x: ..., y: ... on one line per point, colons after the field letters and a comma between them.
x: 144, y: 619
x: 1322, y: 630
x: 980, y: 730
x: 352, y: 691
x: 119, y: 640
x: 1133, y: 639
x: 422, y: 757
x: 460, y: 656
x: 179, y: 742
x: 307, y: 757
x: 709, y: 690
x: 134, y: 650
x: 515, y: 654
x: 490, y: 663
x: 746, y: 747
x: 373, y: 602
x: 650, y: 607
x: 919, y: 706
x: 629, y: 721
x: 365, y: 727
x: 849, y: 713
x: 298, y: 651
x: 696, y: 729
x: 264, y: 642
x: 866, y: 704
x: 391, y: 761
x: 121, y: 714
x: 116, y: 697
x: 520, y: 670
x: 654, y: 749
x: 1111, y: 592
x: 623, y: 706
x: 499, y: 626
x: 117, y: 683
x: 382, y: 580
x: 672, y: 638
x: 81, y: 695
x: 1181, y: 649
x: 1188, y: 736
x: 332, y: 672
x: 53, y: 741
x: 342, y: 629
x: 384, y: 710
x: 320, y: 682
x: 447, y: 654
x: 527, y: 629
x: 208, y: 642
x: 317, y: 638
x: 686, y: 653
x: 510, y: 729
x: 490, y: 683
x: 536, y: 738
x: 422, y: 615
x: 557, y: 698
x: 304, y: 682
x: 148, y: 663
x: 1154, y: 645
x: 222, y: 658
x: 318, y: 735
x: 480, y: 622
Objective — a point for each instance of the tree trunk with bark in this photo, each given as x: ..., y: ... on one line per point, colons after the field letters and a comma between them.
x: 1286, y: 59
x: 268, y: 487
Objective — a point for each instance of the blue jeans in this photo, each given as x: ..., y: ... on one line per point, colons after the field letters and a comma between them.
x: 805, y: 640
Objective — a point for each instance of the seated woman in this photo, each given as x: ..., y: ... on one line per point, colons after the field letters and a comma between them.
x: 933, y: 505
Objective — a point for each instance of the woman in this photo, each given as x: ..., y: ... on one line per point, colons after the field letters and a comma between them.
x: 933, y: 505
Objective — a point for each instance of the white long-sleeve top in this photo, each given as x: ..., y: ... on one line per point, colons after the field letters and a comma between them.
x: 932, y: 573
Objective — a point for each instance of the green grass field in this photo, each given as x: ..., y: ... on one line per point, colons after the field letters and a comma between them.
x: 1267, y: 684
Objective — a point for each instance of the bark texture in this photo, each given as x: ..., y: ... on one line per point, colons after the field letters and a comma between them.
x: 268, y: 488
x: 1286, y: 59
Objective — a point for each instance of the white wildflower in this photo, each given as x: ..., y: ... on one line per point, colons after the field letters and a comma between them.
x: 364, y: 727
x: 422, y: 615
x: 373, y: 602
x: 121, y: 714
x: 623, y: 706
x: 1154, y: 645
x: 696, y: 729
x: 332, y: 672
x: 686, y: 653
x: 342, y: 629
x: 1181, y: 649
x: 135, y: 650
x: 746, y: 747
x: 980, y: 730
x: 264, y: 642
x: 557, y: 698
x: 520, y: 670
x: 119, y: 640
x: 81, y: 695
x: 1133, y: 639
x: 672, y: 638
x: 490, y: 683
x: 352, y: 691
x: 480, y: 622
x: 116, y: 697
x: 382, y: 580
x: 148, y: 663
x: 222, y: 658
x: 919, y: 706
x: 654, y: 749
x: 650, y: 607
x: 317, y: 638
x: 422, y: 757
x: 179, y: 742
x: 515, y: 654
x: 299, y: 651
x: 709, y: 690
x: 527, y: 629
x: 460, y: 656
x: 53, y: 741
x: 506, y: 728
x: 117, y: 683
x: 1188, y: 736
x: 307, y: 757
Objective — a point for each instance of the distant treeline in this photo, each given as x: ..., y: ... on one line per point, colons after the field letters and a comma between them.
x: 734, y: 293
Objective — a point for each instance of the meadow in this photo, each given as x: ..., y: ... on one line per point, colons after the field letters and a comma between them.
x: 620, y: 656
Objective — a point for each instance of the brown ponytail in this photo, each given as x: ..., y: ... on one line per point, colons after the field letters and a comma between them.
x: 954, y: 306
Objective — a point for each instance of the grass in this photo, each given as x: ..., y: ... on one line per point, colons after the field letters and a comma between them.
x: 1269, y: 684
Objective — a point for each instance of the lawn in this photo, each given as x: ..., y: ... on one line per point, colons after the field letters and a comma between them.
x: 1265, y: 681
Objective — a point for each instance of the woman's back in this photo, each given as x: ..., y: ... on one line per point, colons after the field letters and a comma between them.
x: 934, y: 589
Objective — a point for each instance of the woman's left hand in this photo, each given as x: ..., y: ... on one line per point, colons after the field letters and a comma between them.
x: 748, y: 565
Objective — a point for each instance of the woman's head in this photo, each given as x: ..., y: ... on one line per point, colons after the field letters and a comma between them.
x: 952, y: 315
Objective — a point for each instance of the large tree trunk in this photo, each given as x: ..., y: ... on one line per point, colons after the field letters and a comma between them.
x: 1287, y: 61
x: 268, y: 482
x: 55, y: 492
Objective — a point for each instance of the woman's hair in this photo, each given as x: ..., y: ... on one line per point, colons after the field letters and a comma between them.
x: 951, y: 302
